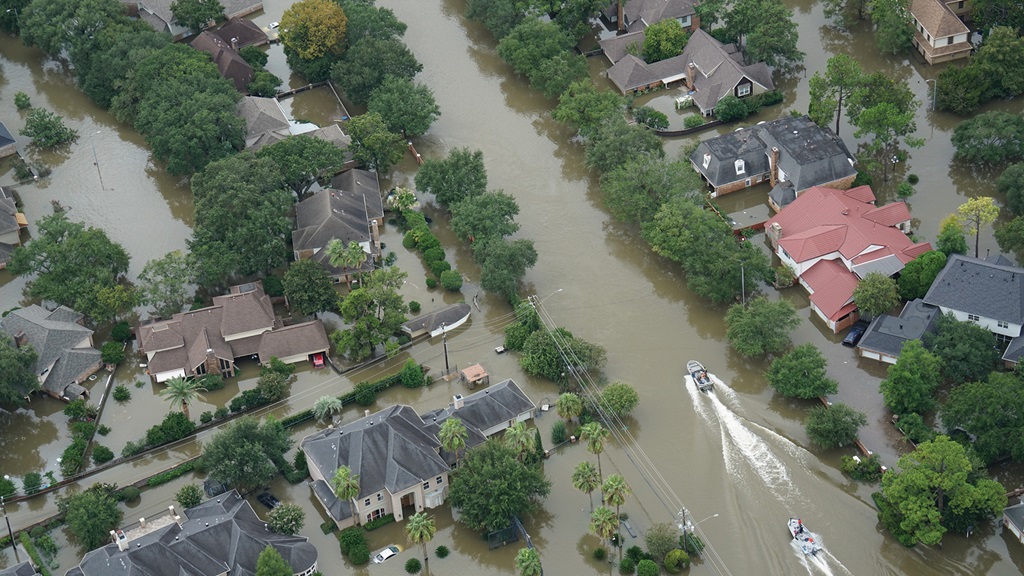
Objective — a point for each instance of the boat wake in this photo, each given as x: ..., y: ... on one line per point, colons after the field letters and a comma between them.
x: 822, y: 563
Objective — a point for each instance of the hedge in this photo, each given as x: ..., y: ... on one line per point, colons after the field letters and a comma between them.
x: 30, y: 547
x: 171, y: 474
x: 382, y: 521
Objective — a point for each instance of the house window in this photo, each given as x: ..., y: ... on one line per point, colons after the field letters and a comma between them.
x: 426, y: 485
x: 747, y: 182
x: 949, y: 41
x: 960, y: 5
x: 973, y: 318
x: 378, y: 513
x: 1003, y: 324
x: 743, y: 90
x: 685, y: 21
x: 439, y: 480
x: 366, y: 502
x: 707, y: 160
x: 380, y: 497
x: 740, y: 168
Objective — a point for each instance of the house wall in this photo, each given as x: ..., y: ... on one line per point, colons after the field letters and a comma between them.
x: 1017, y: 532
x: 165, y: 376
x: 8, y: 150
x: 990, y: 324
x: 298, y: 357
x: 248, y: 334
x: 740, y: 184
x: 880, y: 356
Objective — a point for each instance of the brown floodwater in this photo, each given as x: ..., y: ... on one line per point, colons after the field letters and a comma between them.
x: 741, y: 454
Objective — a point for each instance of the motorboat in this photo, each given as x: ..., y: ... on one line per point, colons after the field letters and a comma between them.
x: 701, y: 378
x: 803, y: 536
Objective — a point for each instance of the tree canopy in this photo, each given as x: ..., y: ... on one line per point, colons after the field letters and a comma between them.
x: 92, y: 514
x: 767, y: 31
x: 406, y: 107
x: 491, y: 485
x: 1011, y: 183
x: 801, y: 373
x: 619, y: 398
x: 761, y: 327
x: 503, y: 263
x: 951, y: 237
x: 913, y: 379
x: 311, y: 29
x: 834, y: 426
x: 894, y: 31
x: 634, y: 191
x: 46, y: 129
x: 583, y: 106
x: 883, y: 109
x: 967, y: 350
x: 55, y: 26
x: 366, y: 20
x: 828, y: 91
x: 17, y: 372
x: 992, y: 412
x: 271, y: 563
x: 532, y: 44
x: 164, y: 283
x: 876, y: 294
x: 374, y: 312
x: 369, y: 62
x: 308, y: 287
x: 917, y: 276
x: 373, y: 144
x: 975, y: 213
x: 991, y: 137
x: 488, y: 215
x: 615, y: 143
x: 303, y: 159
x: 243, y: 453
x: 499, y: 16
x: 663, y: 40
x: 989, y: 13
x: 542, y: 355
x: 196, y: 15
x: 455, y: 178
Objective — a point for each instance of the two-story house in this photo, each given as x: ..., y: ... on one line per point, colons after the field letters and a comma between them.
x: 158, y: 13
x: 636, y: 15
x: 397, y: 454
x: 940, y: 34
x: 831, y: 239
x: 12, y: 222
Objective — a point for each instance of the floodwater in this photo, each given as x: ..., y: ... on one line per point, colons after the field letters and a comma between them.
x: 741, y: 454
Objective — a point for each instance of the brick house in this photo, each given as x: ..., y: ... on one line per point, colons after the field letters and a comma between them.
x: 637, y: 15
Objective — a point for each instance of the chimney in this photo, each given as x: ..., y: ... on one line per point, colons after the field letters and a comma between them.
x: 142, y: 522
x: 234, y: 44
x: 773, y: 172
x: 171, y: 509
x: 689, y: 77
x: 366, y: 413
x: 457, y: 401
x: 20, y: 339
x: 120, y: 539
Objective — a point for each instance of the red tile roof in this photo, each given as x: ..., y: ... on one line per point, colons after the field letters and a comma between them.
x: 832, y: 287
x: 889, y: 215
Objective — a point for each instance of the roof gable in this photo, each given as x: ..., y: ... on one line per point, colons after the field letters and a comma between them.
x: 330, y: 214
x: 937, y: 18
x: 974, y: 286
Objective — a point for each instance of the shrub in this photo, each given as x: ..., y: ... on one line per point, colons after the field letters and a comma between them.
x: 121, y: 392
x: 677, y: 561
x: 431, y: 283
x: 439, y: 267
x: 122, y: 332
x: 730, y: 109
x: 912, y: 425
x: 412, y: 566
x: 189, y: 495
x: 451, y: 280
x: 414, y: 306
x: 31, y: 483
x: 132, y: 448
x: 913, y: 179
x: 359, y: 555
x: 47, y: 129
x: 636, y: 554
x: 442, y: 551
x: 693, y: 121
x: 175, y: 426
x: 328, y: 527
x: 412, y: 375
x: 103, y: 430
x: 112, y: 352
x: 300, y: 464
x: 139, y: 383
x: 171, y: 474
x: 79, y: 410
x: 287, y: 519
x: 559, y: 433
x: 365, y: 394
x: 22, y: 101
x: 211, y: 382
x: 433, y: 255
x: 220, y: 412
x: 101, y: 454
x: 128, y: 494
x: 206, y: 417
x: 350, y: 538
x: 863, y: 179
x: 382, y: 521
x: 72, y: 458
x: 7, y: 488
x: 650, y: 117
x: 905, y: 190
x: 691, y: 543
x: 83, y: 430
x: 784, y: 276
x: 647, y: 567
x: 864, y: 469
x: 273, y: 286
x: 599, y: 553
x: 627, y: 566
x: 390, y: 259
x: 409, y: 241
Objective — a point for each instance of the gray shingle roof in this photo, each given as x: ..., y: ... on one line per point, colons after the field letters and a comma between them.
x: 631, y: 72
x: 615, y: 48
x: 23, y: 569
x: 720, y: 69
x: 1014, y: 350
x: 6, y: 138
x: 57, y: 338
x: 888, y: 334
x: 265, y: 121
x: 330, y: 214
x: 365, y: 184
x: 448, y: 315
x: 974, y: 286
x: 8, y: 208
x: 243, y: 31
x: 305, y: 338
x: 482, y: 410
x: 1015, y: 514
x: 229, y: 62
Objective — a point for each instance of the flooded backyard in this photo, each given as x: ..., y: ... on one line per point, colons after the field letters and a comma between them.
x: 742, y: 454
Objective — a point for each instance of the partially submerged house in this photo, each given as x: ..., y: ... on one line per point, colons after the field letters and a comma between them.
x: 12, y: 222
x: 267, y: 123
x: 209, y: 340
x: 940, y: 34
x: 241, y: 32
x: 639, y: 14
x: 398, y: 457
x: 886, y: 335
x: 218, y: 537
x: 831, y: 239
x: 791, y: 153
x: 1013, y: 520
x: 7, y: 144
x: 225, y: 56
x: 66, y: 357
x: 23, y: 569
x: 438, y: 321
x: 159, y: 15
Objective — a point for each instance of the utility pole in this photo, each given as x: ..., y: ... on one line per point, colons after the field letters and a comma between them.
x: 444, y: 338
x: 9, y: 531
x: 743, y: 285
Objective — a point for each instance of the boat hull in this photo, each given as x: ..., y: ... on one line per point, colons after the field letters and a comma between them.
x: 803, y: 536
x: 700, y: 376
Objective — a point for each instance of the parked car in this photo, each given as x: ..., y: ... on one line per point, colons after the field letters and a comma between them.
x: 386, y: 553
x: 274, y: 25
x: 855, y: 333
x: 268, y: 500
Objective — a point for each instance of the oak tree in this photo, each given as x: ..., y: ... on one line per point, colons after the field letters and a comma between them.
x: 453, y: 179
x: 801, y: 374
x: 761, y: 327
x: 406, y: 107
x: 196, y: 15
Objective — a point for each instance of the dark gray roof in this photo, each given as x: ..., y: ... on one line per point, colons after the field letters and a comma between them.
x: 364, y: 184
x: 719, y: 69
x: 887, y: 334
x: 723, y: 152
x: 482, y: 410
x: 631, y: 72
x: 1015, y: 514
x: 615, y: 48
x: 8, y: 209
x: 445, y: 316
x: 974, y: 286
x: 999, y: 259
x: 5, y: 136
x: 1014, y: 350
x: 54, y: 336
x: 783, y: 193
x: 23, y: 569
x: 219, y: 536
x: 331, y: 214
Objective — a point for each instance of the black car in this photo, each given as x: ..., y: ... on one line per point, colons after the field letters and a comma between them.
x: 268, y: 500
x: 855, y: 333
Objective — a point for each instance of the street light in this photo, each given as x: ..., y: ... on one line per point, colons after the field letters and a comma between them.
x: 935, y: 90
x: 9, y: 531
x: 96, y: 159
x: 541, y: 301
x: 687, y: 526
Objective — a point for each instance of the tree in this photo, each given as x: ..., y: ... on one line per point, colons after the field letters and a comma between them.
x: 586, y: 479
x: 405, y: 107
x: 453, y: 436
x: 459, y: 176
x: 242, y: 219
x: 369, y: 62
x: 182, y: 393
x: 503, y: 263
x: 488, y: 215
x: 663, y: 40
x: 917, y: 276
x: 569, y: 406
x: 491, y: 486
x: 1010, y: 236
x: 582, y: 106
x: 303, y: 160
x: 543, y: 355
x: 286, y: 519
x: 1011, y: 183
x: 660, y: 539
x: 366, y: 20
x: 604, y: 523
x: 773, y: 39
x: 243, y: 453
x: 67, y: 25
x: 17, y: 372
x: 951, y: 237
x: 967, y: 350
x: 575, y: 16
x: 842, y: 75
x: 91, y: 515
x: 542, y: 51
x: 894, y: 30
x: 619, y: 399
x: 528, y: 562
x: 975, y: 213
x: 56, y: 258
x: 936, y: 486
x: 615, y: 143
x: 520, y: 439
x: 163, y: 283
x: 373, y: 145
x: 845, y: 13
x: 421, y: 529
x: 271, y: 563
x: 308, y: 288
x: 46, y: 129
x: 991, y: 137
x: 634, y: 191
x: 346, y: 257
x: 912, y: 380
x: 834, y: 426
x: 760, y: 328
x: 650, y: 117
x: 1000, y: 60
x: 311, y: 29
x: 326, y: 406
x: 346, y: 486
x: 375, y: 312
x: 876, y: 294
x: 196, y: 15
x: 963, y: 89
x: 801, y: 374
x: 189, y: 496
x: 595, y: 435
x: 499, y: 16
x: 615, y: 491
x: 992, y: 412
x: 114, y: 57
x: 272, y: 386
x: 990, y: 13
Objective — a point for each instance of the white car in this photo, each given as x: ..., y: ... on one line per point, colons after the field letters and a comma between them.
x: 274, y: 25
x: 386, y: 553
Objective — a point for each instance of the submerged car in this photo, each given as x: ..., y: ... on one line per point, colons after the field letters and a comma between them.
x: 386, y: 553
x: 268, y: 500
x: 855, y: 333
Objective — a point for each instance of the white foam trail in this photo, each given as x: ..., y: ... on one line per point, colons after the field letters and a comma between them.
x: 721, y: 385
x: 699, y: 406
x: 792, y: 448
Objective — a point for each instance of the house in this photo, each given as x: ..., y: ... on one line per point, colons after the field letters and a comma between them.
x: 225, y: 56
x: 940, y: 34
x: 886, y: 335
x: 7, y: 144
x: 1013, y: 520
x: 348, y: 215
x: 216, y: 538
x: 241, y: 32
x: 23, y: 569
x: 238, y: 325
x: 63, y: 343
x: 791, y: 153
x: 397, y: 454
x: 439, y: 321
x: 831, y: 239
x: 267, y: 123
x: 639, y: 14
x: 987, y: 293
x: 12, y: 222
x: 159, y: 15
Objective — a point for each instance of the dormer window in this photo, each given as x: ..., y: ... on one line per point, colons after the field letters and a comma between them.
x: 707, y: 159
x: 740, y: 168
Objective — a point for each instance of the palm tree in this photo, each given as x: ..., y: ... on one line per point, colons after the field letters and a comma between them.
x: 326, y: 406
x: 453, y: 437
x: 346, y: 486
x: 420, y: 529
x: 595, y: 435
x: 569, y: 406
x: 519, y: 438
x: 585, y: 479
x: 528, y: 562
x: 603, y: 523
x: 341, y: 256
x: 404, y: 199
x: 182, y: 392
x: 615, y: 491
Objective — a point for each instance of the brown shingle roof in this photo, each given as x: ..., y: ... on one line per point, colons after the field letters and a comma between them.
x: 306, y: 338
x: 937, y: 18
x: 230, y: 64
x: 243, y: 31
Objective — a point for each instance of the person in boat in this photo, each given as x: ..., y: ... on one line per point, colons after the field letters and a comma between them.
x: 799, y: 526
x: 703, y: 374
